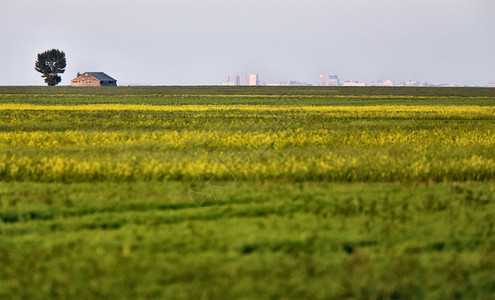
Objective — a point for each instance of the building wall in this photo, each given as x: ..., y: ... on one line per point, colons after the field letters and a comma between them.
x: 251, y: 79
x: 234, y: 78
x: 85, y: 80
x: 332, y: 82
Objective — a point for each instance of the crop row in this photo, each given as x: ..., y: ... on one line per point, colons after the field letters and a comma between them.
x: 344, y: 111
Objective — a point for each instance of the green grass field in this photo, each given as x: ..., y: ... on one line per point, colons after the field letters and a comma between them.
x: 227, y: 193
x: 251, y: 90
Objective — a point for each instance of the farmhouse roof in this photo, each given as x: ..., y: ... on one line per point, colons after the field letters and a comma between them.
x: 101, y: 76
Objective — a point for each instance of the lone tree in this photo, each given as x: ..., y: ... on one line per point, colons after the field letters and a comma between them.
x: 49, y: 64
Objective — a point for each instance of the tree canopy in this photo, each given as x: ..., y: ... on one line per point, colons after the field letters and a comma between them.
x: 51, y: 63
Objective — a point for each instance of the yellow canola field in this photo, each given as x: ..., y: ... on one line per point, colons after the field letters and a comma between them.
x: 249, y: 140
x: 337, y: 112
x: 373, y: 148
x: 442, y: 109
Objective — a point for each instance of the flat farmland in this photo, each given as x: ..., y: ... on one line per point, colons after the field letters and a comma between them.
x: 208, y: 192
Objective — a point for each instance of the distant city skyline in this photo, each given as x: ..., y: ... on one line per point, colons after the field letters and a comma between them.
x: 333, y: 80
x: 199, y: 42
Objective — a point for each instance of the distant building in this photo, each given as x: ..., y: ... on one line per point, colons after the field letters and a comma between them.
x: 295, y: 83
x: 299, y: 83
x: 353, y: 83
x: 252, y: 79
x: 93, y: 79
x: 382, y: 83
x: 388, y: 83
x: 233, y: 79
x: 329, y: 80
x: 491, y: 84
x: 411, y: 83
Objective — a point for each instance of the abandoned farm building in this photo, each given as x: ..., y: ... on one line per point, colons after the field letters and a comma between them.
x: 93, y: 79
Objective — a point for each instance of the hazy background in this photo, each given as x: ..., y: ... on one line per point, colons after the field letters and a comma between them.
x: 195, y: 42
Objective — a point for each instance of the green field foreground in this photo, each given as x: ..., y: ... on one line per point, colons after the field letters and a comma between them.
x: 270, y: 240
x: 212, y: 193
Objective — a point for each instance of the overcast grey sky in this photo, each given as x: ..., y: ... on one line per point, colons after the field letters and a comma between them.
x: 190, y: 42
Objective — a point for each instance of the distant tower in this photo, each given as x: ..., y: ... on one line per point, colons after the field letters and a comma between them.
x: 252, y: 79
x: 329, y: 80
x: 233, y: 79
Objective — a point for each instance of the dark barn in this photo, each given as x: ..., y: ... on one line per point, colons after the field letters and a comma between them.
x: 93, y: 79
